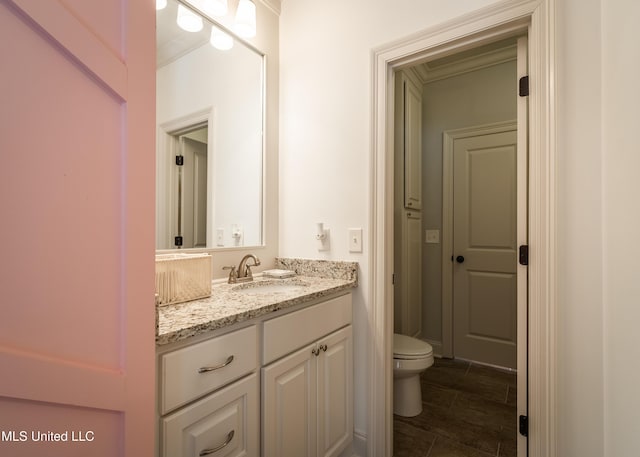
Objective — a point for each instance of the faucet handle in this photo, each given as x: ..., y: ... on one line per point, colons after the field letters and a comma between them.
x: 233, y: 274
x: 248, y: 273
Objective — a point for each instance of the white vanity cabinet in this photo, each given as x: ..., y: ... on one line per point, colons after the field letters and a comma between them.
x: 307, y: 398
x: 288, y: 379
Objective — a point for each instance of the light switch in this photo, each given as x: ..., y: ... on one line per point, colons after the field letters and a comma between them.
x: 432, y: 236
x: 355, y: 240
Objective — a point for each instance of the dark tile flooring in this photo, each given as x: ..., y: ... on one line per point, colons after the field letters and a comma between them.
x: 468, y: 410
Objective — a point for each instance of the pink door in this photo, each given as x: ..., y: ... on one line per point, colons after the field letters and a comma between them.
x: 77, y: 115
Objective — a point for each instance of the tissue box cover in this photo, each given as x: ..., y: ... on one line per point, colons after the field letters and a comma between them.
x: 182, y: 277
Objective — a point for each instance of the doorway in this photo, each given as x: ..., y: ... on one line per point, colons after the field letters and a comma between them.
x: 534, y: 18
x: 474, y: 87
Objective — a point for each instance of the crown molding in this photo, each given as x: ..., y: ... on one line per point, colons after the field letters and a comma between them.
x: 431, y: 71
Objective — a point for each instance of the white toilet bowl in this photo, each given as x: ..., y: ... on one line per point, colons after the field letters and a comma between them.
x: 410, y: 358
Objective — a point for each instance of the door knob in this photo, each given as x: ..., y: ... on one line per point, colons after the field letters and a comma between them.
x: 460, y: 259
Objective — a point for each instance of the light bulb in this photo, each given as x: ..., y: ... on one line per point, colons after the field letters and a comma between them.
x: 161, y: 4
x: 189, y: 21
x: 245, y: 24
x: 215, y: 8
x: 220, y: 40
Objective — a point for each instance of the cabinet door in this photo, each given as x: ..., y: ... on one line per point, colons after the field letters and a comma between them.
x: 224, y: 423
x: 335, y: 393
x: 411, y: 274
x: 289, y: 406
x: 412, y: 145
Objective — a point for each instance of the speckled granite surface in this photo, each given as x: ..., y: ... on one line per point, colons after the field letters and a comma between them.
x: 322, y: 268
x: 231, y: 303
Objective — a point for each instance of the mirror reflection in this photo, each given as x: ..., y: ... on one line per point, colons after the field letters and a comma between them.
x: 209, y: 102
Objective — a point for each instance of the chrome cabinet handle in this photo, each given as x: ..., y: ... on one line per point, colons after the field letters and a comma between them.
x: 217, y: 367
x: 217, y: 448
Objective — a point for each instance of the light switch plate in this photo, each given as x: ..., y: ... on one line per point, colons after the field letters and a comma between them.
x: 355, y: 240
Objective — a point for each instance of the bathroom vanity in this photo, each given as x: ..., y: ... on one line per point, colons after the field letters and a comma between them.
x: 261, y: 368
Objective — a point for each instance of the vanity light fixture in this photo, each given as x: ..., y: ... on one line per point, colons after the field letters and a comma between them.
x: 161, y: 4
x: 245, y: 24
x: 216, y: 8
x: 220, y: 40
x: 188, y: 20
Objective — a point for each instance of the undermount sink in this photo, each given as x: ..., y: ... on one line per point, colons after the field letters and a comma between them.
x: 263, y: 287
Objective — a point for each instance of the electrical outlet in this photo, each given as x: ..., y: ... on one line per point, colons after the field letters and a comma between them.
x: 432, y: 236
x: 220, y: 237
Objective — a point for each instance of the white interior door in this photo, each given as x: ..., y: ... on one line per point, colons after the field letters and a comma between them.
x: 77, y: 197
x: 484, y: 248
x: 194, y: 193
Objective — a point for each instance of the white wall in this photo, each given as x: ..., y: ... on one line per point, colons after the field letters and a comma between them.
x: 325, y: 137
x: 579, y: 221
x: 325, y: 116
x: 480, y: 97
x: 621, y: 217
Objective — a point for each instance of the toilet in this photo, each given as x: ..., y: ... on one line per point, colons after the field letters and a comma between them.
x: 410, y: 358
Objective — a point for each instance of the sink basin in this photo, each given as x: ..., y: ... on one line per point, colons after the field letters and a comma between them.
x: 262, y: 288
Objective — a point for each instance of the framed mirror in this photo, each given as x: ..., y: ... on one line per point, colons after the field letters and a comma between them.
x: 210, y: 123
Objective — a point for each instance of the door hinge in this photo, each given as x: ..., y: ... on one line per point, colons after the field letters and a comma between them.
x: 177, y: 241
x: 524, y: 86
x: 179, y: 161
x: 393, y: 278
x: 523, y: 425
x: 523, y: 256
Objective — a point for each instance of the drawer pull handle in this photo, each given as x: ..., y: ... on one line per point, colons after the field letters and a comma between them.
x: 315, y: 351
x: 217, y: 367
x: 217, y: 448
x: 324, y: 347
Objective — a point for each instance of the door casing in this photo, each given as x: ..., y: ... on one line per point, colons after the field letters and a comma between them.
x: 535, y: 18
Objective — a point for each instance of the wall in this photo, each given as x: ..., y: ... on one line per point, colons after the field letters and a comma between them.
x: 326, y: 116
x: 325, y: 76
x: 579, y: 221
x: 480, y: 97
x: 621, y: 217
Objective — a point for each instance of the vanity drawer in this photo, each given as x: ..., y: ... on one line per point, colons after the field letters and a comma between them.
x: 195, y: 370
x: 285, y: 334
x: 226, y: 420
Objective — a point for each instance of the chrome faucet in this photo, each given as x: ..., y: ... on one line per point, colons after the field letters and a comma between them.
x: 243, y: 273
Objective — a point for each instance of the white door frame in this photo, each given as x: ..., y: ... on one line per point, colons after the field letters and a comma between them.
x: 500, y: 20
x: 448, y: 139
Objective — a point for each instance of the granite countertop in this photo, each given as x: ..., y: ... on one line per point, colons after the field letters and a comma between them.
x: 232, y: 303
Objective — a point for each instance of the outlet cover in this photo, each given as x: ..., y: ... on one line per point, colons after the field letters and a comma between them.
x: 432, y: 236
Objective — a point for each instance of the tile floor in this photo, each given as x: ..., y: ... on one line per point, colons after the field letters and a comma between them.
x: 468, y: 410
